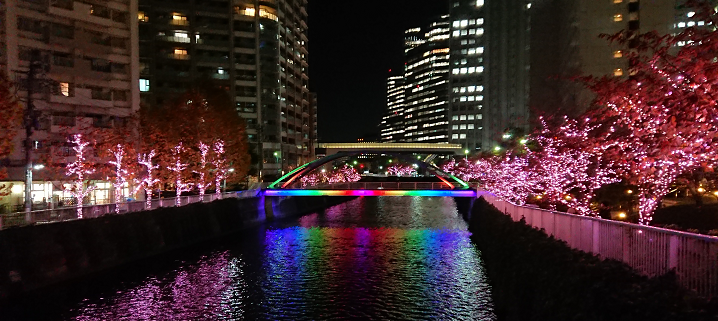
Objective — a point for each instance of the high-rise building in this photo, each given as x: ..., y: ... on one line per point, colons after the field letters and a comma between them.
x: 256, y: 50
x: 391, y: 128
x: 426, y: 76
x: 565, y: 43
x: 467, y: 81
x: 85, y: 55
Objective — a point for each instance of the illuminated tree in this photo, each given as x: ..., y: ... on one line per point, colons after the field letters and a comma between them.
x: 220, y: 167
x: 177, y: 168
x: 148, y: 180
x: 122, y: 174
x: 202, y: 183
x: 80, y: 168
x: 664, y: 117
x: 401, y: 170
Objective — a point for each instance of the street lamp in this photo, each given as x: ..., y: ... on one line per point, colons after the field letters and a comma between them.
x: 224, y: 182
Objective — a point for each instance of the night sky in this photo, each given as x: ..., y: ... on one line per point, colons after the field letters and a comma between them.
x: 352, y: 46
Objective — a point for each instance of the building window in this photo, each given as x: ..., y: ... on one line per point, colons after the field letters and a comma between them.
x: 618, y: 72
x: 617, y: 54
x: 144, y: 85
x: 65, y: 89
x: 180, y: 52
x: 142, y: 17
x: 617, y: 17
x: 617, y: 1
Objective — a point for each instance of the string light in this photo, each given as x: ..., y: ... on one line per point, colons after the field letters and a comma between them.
x: 177, y: 169
x: 148, y: 181
x: 80, y: 167
x: 121, y: 175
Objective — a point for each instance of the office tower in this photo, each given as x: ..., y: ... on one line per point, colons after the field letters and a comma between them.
x: 565, y: 43
x: 85, y: 58
x: 426, y: 77
x: 391, y: 128
x: 256, y: 51
x: 467, y: 80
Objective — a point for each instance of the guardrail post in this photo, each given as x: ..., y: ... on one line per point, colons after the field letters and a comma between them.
x: 596, y: 241
x: 673, y: 244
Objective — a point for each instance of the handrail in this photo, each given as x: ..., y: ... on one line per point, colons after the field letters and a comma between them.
x: 92, y: 211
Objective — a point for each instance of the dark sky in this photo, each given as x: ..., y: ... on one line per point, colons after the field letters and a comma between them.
x: 352, y: 46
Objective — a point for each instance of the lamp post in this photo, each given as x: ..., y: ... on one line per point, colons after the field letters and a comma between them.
x: 224, y: 182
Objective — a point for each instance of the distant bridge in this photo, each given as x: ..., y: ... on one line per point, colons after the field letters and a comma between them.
x: 449, y: 185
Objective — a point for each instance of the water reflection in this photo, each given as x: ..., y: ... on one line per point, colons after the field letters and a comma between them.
x: 404, y: 258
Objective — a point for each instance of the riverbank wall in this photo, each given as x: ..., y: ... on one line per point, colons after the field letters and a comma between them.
x: 537, y: 277
x: 33, y: 257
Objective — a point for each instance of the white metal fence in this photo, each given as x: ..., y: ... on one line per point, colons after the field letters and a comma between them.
x: 649, y: 250
x: 93, y: 211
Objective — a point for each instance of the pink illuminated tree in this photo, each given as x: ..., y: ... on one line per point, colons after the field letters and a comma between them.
x: 80, y: 169
x: 122, y: 174
x: 148, y: 181
x: 220, y: 167
x: 202, y: 182
x: 177, y: 168
x: 664, y: 116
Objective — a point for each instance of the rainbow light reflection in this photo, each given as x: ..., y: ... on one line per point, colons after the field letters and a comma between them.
x: 368, y: 192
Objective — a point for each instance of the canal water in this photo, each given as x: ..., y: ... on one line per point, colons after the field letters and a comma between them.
x: 383, y: 258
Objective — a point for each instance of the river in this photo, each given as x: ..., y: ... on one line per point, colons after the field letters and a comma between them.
x: 398, y: 258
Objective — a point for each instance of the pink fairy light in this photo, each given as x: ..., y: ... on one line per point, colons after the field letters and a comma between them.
x: 220, y: 167
x: 203, y: 183
x: 148, y: 181
x: 177, y: 169
x: 121, y: 175
x: 401, y: 170
x: 79, y: 168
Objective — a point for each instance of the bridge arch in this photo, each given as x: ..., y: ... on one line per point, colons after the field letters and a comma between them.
x: 283, y: 182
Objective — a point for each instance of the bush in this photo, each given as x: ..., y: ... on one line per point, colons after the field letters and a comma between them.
x: 536, y: 277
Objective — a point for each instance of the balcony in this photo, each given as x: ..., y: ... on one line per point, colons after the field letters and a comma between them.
x: 178, y: 56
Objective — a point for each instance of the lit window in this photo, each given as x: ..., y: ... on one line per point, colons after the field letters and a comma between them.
x: 181, y: 34
x: 618, y: 72
x: 472, y: 31
x: 691, y: 14
x: 457, y: 23
x: 617, y: 54
x: 455, y: 117
x: 480, y: 21
x: 479, y: 3
x: 144, y: 85
x: 463, y: 126
x: 471, y: 88
x: 471, y: 126
x: 463, y: 70
x: 691, y: 24
x: 617, y: 17
x: 463, y: 117
x: 471, y: 117
x: 480, y: 50
x: 454, y: 136
x: 700, y: 23
x: 480, y: 31
x: 178, y: 16
x: 479, y: 116
x: 220, y: 71
x: 617, y: 1
x: 456, y: 33
x: 471, y: 98
x: 462, y: 136
x: 681, y: 25
x: 472, y: 70
x: 455, y: 127
x: 463, y: 98
x: 463, y: 89
x: 455, y: 71
x: 65, y: 89
x: 180, y: 51
x: 464, y: 23
x: 464, y: 32
x: 472, y: 22
x: 479, y: 69
x: 142, y: 17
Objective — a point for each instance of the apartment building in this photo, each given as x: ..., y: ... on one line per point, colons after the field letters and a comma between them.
x: 85, y: 55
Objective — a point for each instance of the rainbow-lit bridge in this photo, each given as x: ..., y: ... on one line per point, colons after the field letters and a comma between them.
x: 447, y: 184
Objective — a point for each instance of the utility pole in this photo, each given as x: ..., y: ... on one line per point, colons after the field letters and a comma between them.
x: 29, y: 123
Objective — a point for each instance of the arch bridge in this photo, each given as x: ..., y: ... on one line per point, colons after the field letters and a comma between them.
x: 447, y: 184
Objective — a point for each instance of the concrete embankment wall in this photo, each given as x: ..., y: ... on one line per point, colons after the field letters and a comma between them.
x: 36, y: 256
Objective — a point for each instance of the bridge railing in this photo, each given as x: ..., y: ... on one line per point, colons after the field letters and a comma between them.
x: 93, y: 211
x: 649, y: 250
x: 383, y: 185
